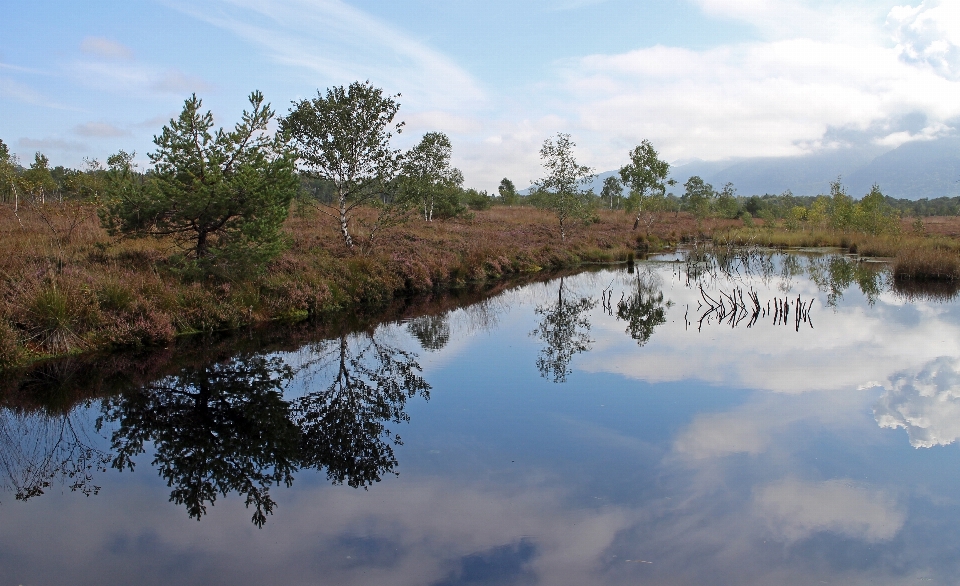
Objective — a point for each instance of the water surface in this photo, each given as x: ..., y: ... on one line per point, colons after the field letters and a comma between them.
x: 749, y: 418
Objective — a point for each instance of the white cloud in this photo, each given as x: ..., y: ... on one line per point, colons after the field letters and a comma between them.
x: 723, y: 434
x: 795, y: 510
x: 925, y: 402
x: 137, y: 79
x: 335, y: 43
x: 774, y: 98
x: 787, y: 19
x: 21, y: 92
x: 429, y: 526
x: 99, y: 130
x: 929, y: 34
x: 817, y: 66
x: 812, y: 359
x: 101, y: 47
x: 441, y: 121
x: 172, y: 81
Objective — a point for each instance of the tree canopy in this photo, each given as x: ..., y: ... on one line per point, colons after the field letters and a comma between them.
x: 645, y: 175
x: 222, y: 195
x: 429, y: 180
x: 343, y: 136
x: 563, y: 185
x: 698, y: 196
x: 508, y: 192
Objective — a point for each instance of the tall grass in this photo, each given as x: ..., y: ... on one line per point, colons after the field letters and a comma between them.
x: 914, y: 257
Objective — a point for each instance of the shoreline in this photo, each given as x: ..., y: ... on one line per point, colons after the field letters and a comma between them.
x: 93, y: 294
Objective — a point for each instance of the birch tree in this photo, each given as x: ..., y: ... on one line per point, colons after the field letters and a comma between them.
x: 563, y: 185
x: 646, y: 176
x: 344, y: 136
x: 428, y: 175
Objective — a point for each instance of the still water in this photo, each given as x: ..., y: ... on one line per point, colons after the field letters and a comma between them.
x: 742, y: 418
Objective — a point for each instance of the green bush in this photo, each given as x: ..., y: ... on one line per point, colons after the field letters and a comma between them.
x: 58, y: 317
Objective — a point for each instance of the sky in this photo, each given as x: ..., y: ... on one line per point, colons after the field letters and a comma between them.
x: 700, y: 79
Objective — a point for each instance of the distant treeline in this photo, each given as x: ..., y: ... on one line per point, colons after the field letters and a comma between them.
x: 40, y: 181
x: 779, y: 206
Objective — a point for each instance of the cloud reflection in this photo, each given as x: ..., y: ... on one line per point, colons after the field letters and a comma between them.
x: 925, y: 402
x: 795, y: 510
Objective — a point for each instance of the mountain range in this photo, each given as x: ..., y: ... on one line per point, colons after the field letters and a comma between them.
x: 914, y: 170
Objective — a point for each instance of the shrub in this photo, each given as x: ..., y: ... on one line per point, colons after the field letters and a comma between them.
x: 58, y: 317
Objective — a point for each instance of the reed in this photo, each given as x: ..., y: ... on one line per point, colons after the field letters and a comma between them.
x: 927, y: 263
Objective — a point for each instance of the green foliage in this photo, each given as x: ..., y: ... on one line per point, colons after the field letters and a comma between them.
x: 918, y: 227
x: 612, y: 192
x: 841, y: 206
x: 428, y: 180
x: 222, y: 196
x: 476, y: 200
x: 508, y: 193
x: 8, y: 174
x: 645, y: 176
x: 873, y: 215
x: 343, y: 137
x: 726, y: 204
x: 87, y: 185
x: 37, y: 180
x: 818, y: 215
x: 57, y: 317
x: 561, y: 190
x: 698, y: 197
x: 798, y: 214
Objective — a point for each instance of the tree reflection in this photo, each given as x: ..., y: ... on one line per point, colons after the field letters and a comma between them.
x: 42, y: 431
x: 565, y: 330
x: 644, y: 309
x: 225, y: 426
x: 343, y: 426
x: 834, y: 274
x: 432, y: 331
x: 218, y: 428
x: 38, y: 449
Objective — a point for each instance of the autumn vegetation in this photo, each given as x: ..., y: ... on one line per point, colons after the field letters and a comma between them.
x: 235, y: 227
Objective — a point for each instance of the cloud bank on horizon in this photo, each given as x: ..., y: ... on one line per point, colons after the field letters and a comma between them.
x: 710, y: 79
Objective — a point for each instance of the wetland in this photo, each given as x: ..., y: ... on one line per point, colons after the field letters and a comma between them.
x: 712, y: 415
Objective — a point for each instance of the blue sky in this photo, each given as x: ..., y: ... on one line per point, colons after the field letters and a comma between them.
x: 708, y: 79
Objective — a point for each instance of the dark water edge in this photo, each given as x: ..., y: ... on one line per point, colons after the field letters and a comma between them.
x: 58, y: 384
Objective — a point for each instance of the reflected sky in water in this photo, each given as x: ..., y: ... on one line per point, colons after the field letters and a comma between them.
x: 746, y: 418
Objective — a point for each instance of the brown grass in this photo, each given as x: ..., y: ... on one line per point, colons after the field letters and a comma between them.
x: 89, y: 292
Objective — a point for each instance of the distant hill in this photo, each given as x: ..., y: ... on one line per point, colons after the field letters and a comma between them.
x: 912, y: 171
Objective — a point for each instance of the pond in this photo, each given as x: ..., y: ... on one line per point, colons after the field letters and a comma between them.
x: 706, y: 417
